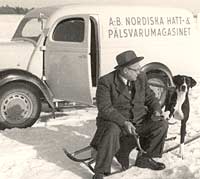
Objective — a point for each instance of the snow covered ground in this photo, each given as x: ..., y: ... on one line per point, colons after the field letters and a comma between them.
x: 36, y: 152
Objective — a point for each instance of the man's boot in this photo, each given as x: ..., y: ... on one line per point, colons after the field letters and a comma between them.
x: 123, y: 159
x: 143, y: 161
x: 98, y: 176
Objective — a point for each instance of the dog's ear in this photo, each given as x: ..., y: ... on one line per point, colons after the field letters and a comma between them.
x: 192, y: 82
x: 176, y: 79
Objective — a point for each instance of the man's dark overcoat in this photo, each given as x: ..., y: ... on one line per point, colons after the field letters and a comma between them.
x: 115, y: 104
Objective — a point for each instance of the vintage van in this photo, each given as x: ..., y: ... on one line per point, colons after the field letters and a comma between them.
x: 58, y: 53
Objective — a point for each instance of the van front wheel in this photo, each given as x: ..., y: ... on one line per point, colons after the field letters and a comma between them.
x: 20, y: 105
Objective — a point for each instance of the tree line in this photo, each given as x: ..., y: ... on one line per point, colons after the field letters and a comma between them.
x: 13, y: 10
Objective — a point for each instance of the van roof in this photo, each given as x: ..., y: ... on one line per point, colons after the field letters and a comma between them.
x: 48, y: 11
x: 55, y: 12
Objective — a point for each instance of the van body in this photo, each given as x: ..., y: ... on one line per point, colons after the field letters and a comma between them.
x: 58, y: 53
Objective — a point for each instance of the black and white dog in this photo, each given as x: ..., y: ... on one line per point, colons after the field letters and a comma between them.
x: 177, y: 104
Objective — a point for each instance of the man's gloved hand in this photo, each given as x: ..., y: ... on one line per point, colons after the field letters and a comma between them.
x: 130, y: 128
x: 156, y: 116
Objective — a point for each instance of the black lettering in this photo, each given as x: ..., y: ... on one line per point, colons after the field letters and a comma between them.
x: 144, y: 20
x: 138, y: 21
x: 188, y: 31
x: 130, y: 31
x: 173, y: 32
x: 151, y: 21
x: 176, y: 19
x: 140, y: 32
x: 115, y: 34
x: 121, y: 33
x: 125, y: 33
x: 127, y: 20
x: 118, y: 21
x: 156, y: 20
x: 159, y: 33
x: 164, y: 32
x: 185, y: 31
x: 111, y: 22
x: 133, y: 21
x: 181, y: 31
x: 153, y: 32
x: 169, y: 20
x: 135, y: 33
x: 161, y: 21
x: 173, y: 20
x: 110, y: 33
x: 187, y: 20
x: 169, y: 32
x: 146, y: 32
x: 181, y: 20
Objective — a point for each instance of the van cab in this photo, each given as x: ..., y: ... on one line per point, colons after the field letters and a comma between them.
x: 58, y: 53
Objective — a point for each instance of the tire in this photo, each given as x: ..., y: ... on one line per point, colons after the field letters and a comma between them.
x: 158, y: 83
x: 20, y: 105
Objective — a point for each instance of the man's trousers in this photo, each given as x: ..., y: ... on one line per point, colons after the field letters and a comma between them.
x: 111, y: 139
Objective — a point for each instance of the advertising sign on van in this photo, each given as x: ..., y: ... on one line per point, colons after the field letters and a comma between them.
x: 148, y: 26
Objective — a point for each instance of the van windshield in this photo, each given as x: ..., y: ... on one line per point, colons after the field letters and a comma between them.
x: 30, y: 28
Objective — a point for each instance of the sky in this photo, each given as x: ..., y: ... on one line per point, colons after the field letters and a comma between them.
x: 189, y: 4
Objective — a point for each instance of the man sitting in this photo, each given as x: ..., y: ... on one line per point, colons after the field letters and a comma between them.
x: 125, y: 110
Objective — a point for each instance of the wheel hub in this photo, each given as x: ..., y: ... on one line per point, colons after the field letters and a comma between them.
x: 158, y: 87
x: 16, y: 108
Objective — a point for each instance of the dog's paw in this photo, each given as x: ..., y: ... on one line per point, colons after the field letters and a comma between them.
x: 166, y: 115
x: 181, y: 151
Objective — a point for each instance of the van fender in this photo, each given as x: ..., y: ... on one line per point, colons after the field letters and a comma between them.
x: 13, y: 75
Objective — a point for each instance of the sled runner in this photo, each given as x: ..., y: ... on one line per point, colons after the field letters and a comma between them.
x: 88, y: 161
x: 186, y: 142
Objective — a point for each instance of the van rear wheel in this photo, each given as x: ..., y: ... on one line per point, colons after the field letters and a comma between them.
x: 20, y: 105
x: 159, y: 85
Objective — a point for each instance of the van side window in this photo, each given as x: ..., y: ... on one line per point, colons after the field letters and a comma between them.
x: 69, y: 30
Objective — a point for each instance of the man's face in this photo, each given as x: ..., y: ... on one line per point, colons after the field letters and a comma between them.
x: 132, y: 71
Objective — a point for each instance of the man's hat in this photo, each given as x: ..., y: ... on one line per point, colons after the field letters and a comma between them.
x: 127, y: 58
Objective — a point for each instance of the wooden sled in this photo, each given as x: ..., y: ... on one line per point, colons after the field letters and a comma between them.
x: 88, y: 161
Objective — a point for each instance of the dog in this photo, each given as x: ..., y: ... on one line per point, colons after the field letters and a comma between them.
x: 177, y: 104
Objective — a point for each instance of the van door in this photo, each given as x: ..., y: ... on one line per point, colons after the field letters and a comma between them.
x: 67, y: 59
